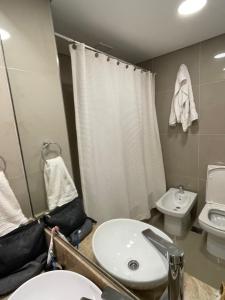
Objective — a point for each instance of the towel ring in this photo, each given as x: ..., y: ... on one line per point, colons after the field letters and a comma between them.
x: 4, y: 164
x: 45, y: 145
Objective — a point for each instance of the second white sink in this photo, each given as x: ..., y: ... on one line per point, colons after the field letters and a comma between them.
x: 121, y: 249
x: 57, y: 285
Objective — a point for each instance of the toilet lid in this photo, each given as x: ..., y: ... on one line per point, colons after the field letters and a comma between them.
x: 215, y: 186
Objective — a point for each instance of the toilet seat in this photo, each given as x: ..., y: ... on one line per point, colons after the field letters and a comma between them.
x: 207, y: 224
x: 212, y: 216
x: 215, y: 201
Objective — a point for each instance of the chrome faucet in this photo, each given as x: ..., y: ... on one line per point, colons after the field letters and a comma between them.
x: 175, y: 258
x: 181, y: 189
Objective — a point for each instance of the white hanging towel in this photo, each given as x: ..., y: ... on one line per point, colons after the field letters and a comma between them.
x: 11, y: 215
x: 60, y: 187
x: 183, y: 106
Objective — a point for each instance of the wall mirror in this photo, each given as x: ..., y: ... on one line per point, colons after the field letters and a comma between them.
x: 93, y: 114
x: 13, y: 176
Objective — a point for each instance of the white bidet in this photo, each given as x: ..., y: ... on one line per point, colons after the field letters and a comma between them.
x: 176, y: 205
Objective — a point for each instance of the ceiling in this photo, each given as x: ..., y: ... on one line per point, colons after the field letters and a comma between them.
x: 136, y: 29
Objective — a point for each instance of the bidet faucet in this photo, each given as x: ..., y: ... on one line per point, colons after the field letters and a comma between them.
x: 175, y: 257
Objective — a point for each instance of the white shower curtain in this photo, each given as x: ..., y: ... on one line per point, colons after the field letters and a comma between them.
x: 120, y: 156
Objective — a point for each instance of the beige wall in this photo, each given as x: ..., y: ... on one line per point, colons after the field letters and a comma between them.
x: 186, y: 155
x: 67, y: 87
x: 31, y: 58
x: 9, y: 143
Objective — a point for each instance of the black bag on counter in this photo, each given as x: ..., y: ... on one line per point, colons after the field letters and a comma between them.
x: 12, y: 281
x: 80, y: 233
x: 21, y: 246
x: 67, y: 217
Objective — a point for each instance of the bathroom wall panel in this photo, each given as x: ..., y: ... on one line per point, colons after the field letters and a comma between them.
x: 19, y: 187
x: 32, y: 43
x: 211, y: 69
x: 67, y: 87
x: 65, y: 67
x: 191, y: 183
x: 201, y: 193
x: 166, y: 67
x: 40, y: 114
x: 186, y: 155
x: 37, y: 190
x: 32, y: 62
x: 163, y: 111
x: 71, y: 126
x: 212, y: 110
x: 180, y: 154
x: 211, y: 151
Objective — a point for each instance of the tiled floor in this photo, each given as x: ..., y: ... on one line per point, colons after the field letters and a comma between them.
x: 198, y: 262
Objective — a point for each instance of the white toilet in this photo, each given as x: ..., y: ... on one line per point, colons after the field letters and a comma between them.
x: 212, y: 216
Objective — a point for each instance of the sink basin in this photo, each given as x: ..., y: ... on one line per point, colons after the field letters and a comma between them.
x: 57, y: 285
x: 121, y: 249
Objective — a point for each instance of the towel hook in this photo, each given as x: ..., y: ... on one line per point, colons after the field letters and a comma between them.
x: 45, y: 145
x: 4, y: 164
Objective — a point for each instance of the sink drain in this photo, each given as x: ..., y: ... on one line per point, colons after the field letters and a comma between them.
x: 133, y: 265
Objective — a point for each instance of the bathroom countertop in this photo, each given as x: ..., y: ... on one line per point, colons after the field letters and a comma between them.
x: 193, y: 287
x: 196, y: 289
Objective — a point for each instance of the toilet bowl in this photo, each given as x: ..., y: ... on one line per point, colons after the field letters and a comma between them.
x: 176, y: 206
x: 212, y: 216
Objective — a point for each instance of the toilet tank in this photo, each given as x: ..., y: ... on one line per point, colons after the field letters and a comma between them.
x: 215, y: 185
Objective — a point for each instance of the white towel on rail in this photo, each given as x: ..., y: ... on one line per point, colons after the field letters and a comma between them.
x: 183, y: 106
x: 11, y: 215
x: 60, y: 187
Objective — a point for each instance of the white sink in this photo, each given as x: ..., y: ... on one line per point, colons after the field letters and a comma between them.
x: 119, y: 243
x: 57, y: 285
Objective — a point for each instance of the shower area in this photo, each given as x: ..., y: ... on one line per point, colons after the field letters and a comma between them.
x: 113, y: 132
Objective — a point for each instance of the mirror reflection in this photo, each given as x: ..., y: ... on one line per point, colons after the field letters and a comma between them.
x: 13, y: 177
x: 112, y: 148
x: 22, y: 246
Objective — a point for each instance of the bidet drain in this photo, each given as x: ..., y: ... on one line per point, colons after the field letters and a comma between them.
x: 133, y: 265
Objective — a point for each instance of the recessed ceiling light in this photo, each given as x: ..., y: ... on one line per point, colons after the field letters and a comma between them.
x: 4, y: 35
x: 223, y: 69
x: 188, y: 7
x: 220, y: 55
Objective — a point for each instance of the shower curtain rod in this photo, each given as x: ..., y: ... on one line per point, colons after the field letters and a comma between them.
x: 99, y: 51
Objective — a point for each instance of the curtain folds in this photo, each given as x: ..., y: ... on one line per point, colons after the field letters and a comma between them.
x: 120, y: 155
